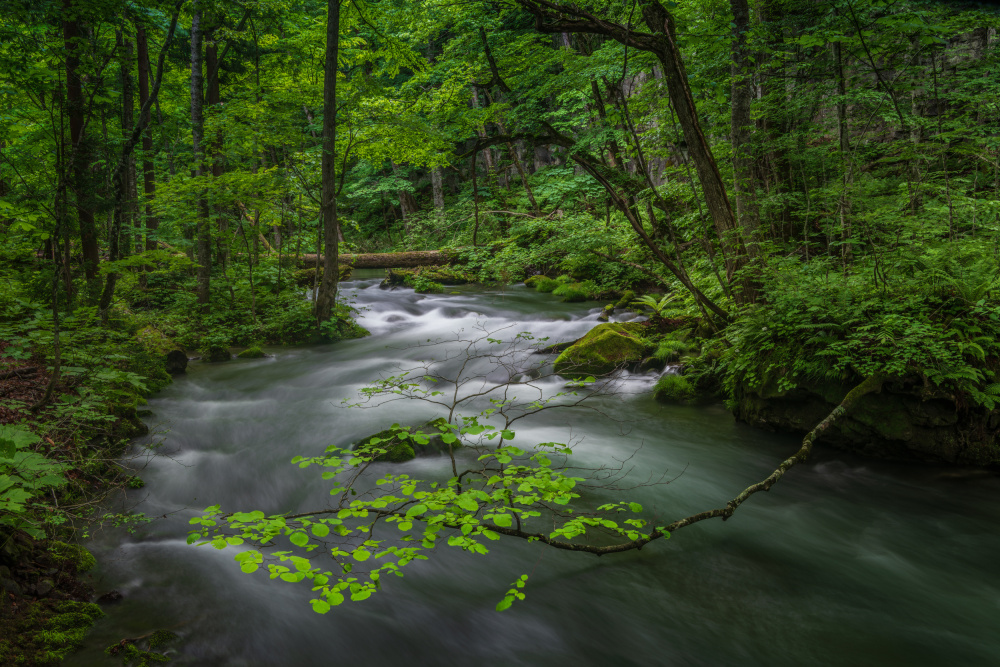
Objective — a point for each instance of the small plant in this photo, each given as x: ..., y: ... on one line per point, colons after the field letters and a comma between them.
x: 656, y: 306
x: 546, y: 284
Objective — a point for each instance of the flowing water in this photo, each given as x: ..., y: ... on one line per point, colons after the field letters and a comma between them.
x: 845, y: 562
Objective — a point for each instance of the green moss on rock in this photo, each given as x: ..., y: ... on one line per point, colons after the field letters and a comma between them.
x: 253, y: 352
x: 674, y: 388
x: 532, y: 281
x: 604, y: 349
x: 570, y: 293
x: 627, y: 298
x: 73, y: 555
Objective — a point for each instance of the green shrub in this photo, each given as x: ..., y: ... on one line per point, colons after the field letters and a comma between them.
x: 546, y: 285
x: 532, y: 281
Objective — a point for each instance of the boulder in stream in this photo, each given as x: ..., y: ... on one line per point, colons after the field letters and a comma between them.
x: 159, y: 345
x: 607, y: 347
x: 398, y: 445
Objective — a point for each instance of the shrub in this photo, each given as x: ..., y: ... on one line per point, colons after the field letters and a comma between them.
x: 546, y: 285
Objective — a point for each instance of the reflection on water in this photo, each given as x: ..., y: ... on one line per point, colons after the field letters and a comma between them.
x: 845, y: 562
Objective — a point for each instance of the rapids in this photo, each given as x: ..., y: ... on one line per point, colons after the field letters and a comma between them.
x: 844, y: 562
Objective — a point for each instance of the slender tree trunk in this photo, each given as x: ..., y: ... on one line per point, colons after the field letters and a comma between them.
x: 438, y: 188
x: 213, y: 148
x: 79, y: 153
x: 148, y: 170
x: 203, y: 232
x: 741, y: 124
x: 844, y: 144
x: 327, y: 295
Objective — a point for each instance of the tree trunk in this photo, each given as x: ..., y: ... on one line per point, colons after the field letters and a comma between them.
x: 80, y: 155
x: 148, y: 171
x: 741, y: 124
x: 436, y: 185
x: 327, y: 294
x: 203, y: 233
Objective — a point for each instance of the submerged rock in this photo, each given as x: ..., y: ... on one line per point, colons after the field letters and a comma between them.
x: 605, y: 348
x: 394, y: 448
x: 902, y: 422
x: 214, y: 354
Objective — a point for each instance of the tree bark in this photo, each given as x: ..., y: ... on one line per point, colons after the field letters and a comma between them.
x: 327, y: 294
x: 203, y: 233
x: 741, y: 124
x: 438, y: 188
x: 80, y: 155
x: 148, y: 170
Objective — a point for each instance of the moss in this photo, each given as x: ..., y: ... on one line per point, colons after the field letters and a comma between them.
x: 546, y: 285
x: 627, y: 298
x: 673, y: 388
x: 47, y: 634
x: 670, y: 349
x: 73, y: 555
x: 532, y: 281
x: 605, y: 348
x: 214, y: 354
x: 253, y: 352
x: 570, y: 293
x: 564, y: 280
x: 161, y: 637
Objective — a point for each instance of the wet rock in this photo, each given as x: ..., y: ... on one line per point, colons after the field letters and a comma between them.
x: 902, y: 422
x: 605, y: 348
x: 158, y: 344
x: 214, y: 354
x: 109, y: 597
x: 11, y: 587
x: 44, y: 587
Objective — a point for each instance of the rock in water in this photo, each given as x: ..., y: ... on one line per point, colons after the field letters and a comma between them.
x: 158, y: 344
x: 605, y: 348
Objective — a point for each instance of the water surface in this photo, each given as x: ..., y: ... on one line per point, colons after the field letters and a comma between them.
x: 844, y: 562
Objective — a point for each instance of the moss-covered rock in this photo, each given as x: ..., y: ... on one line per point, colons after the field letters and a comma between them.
x: 605, y: 348
x: 214, y: 354
x: 571, y: 293
x: 157, y: 344
x: 627, y: 298
x: 532, y: 281
x: 253, y: 352
x: 674, y: 388
x: 72, y: 556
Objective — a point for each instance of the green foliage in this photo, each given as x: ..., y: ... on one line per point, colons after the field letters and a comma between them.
x: 828, y: 327
x: 25, y: 475
x: 546, y: 284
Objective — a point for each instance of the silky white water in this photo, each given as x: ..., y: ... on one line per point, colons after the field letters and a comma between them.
x: 844, y: 562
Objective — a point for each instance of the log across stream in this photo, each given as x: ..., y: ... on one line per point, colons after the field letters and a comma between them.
x: 845, y: 562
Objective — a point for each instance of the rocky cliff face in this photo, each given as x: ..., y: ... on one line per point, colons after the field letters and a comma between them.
x: 906, y: 421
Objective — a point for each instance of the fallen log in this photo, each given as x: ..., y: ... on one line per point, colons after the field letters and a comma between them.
x: 385, y: 260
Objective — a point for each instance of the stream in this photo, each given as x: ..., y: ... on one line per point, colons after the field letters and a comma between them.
x: 844, y: 562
